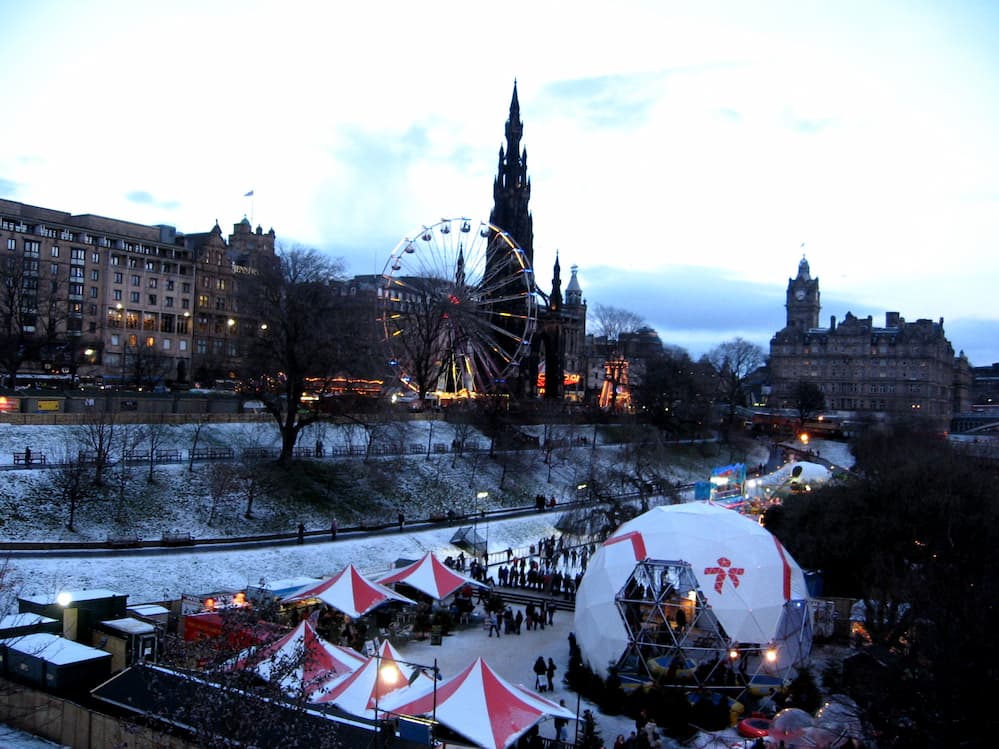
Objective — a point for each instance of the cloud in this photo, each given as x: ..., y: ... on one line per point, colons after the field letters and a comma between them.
x: 141, y: 197
x: 603, y: 101
x: 8, y: 188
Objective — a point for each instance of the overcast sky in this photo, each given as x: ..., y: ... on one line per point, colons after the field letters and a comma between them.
x: 680, y: 153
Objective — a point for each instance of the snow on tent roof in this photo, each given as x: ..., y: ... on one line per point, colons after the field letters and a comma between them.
x: 53, y: 649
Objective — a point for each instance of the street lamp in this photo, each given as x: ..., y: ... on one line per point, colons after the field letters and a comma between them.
x: 389, y: 675
x: 481, y: 497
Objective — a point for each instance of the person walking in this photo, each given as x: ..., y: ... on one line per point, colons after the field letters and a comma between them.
x: 333, y: 530
x: 550, y: 673
x: 540, y: 672
x: 494, y: 624
x: 301, y: 533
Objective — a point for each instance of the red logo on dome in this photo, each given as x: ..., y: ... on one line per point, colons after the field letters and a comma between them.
x: 723, y: 570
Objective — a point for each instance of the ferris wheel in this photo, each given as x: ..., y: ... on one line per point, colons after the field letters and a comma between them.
x: 458, y: 309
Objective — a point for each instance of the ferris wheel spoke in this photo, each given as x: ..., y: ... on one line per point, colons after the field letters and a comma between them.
x: 458, y: 307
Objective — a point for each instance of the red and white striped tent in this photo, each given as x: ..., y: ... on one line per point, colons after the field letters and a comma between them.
x: 481, y: 706
x: 361, y: 691
x: 348, y: 591
x: 431, y: 576
x: 300, y: 662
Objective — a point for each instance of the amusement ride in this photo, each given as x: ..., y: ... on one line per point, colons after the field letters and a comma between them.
x: 458, y: 309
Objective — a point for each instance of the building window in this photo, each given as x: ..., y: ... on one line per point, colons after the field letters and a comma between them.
x: 131, y: 319
x: 168, y: 301
x: 76, y: 289
x: 93, y: 292
x: 201, y: 346
x: 219, y: 302
x: 118, y: 277
x: 182, y: 345
x: 136, y: 280
x: 169, y: 284
x: 96, y: 258
x: 203, y: 300
x: 95, y: 275
x: 183, y: 325
x: 153, y: 283
x: 55, y: 251
x: 78, y: 253
x: 116, y: 294
x: 115, y: 339
x: 186, y: 287
x: 166, y: 323
x: 185, y: 303
x: 133, y: 297
x: 75, y: 271
x: 166, y: 344
x: 152, y: 299
x: 54, y: 269
x: 12, y: 244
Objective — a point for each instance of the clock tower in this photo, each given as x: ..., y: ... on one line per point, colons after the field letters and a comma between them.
x: 803, y: 299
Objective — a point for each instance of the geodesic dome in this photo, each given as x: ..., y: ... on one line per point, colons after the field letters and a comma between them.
x: 735, y: 581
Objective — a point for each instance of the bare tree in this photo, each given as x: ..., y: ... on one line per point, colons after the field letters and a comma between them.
x: 419, y: 327
x: 298, y: 337
x: 18, y: 313
x: 128, y: 436
x: 143, y: 363
x: 97, y: 433
x: 223, y: 480
x: 197, y: 427
x: 69, y: 482
x: 154, y: 434
x: 733, y: 361
x: 613, y: 322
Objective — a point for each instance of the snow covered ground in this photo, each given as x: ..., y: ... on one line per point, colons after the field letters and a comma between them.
x: 30, y: 512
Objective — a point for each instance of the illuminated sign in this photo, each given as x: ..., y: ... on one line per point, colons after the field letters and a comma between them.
x: 47, y: 406
x: 9, y: 405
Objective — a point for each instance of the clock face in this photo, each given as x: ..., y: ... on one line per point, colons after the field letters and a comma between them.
x: 799, y: 294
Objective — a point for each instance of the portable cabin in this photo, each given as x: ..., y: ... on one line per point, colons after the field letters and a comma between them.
x: 17, y: 625
x: 53, y: 663
x: 78, y: 610
x: 129, y: 640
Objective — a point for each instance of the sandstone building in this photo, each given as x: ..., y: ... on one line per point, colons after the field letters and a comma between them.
x: 86, y: 296
x: 866, y: 371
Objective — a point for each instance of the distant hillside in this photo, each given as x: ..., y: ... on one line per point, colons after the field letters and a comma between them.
x: 211, y: 500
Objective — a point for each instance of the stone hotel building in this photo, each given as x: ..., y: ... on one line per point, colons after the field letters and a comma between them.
x: 866, y: 371
x: 88, y: 296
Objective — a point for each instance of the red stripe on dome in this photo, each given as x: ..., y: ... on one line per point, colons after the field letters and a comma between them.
x: 637, y: 544
x: 786, y: 568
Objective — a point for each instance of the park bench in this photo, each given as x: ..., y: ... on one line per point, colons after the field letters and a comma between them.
x: 212, y: 453
x: 168, y: 454
x: 259, y: 453
x: 36, y: 459
x: 123, y: 542
x: 177, y: 539
x: 136, y: 456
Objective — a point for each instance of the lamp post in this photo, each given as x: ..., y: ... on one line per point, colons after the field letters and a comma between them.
x: 389, y: 675
x: 481, y: 497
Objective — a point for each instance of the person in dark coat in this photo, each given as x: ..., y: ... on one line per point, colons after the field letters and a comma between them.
x: 540, y: 670
x: 550, y: 671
